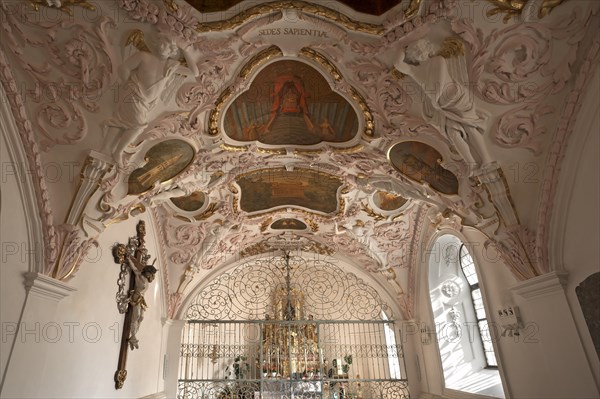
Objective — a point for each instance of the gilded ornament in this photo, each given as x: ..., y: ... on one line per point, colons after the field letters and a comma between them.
x: 350, y: 150
x: 413, y: 8
x: 119, y: 253
x: 315, y: 55
x: 513, y: 8
x: 214, y: 114
x: 452, y: 47
x: 547, y: 6
x: 136, y: 37
x: 120, y: 377
x: 255, y: 249
x: 259, y: 59
x: 371, y: 213
x: 308, y: 8
x: 265, y: 224
x: 314, y: 226
x: 233, y: 148
x: 369, y: 120
x: 274, y: 151
x: 210, y: 210
x: 171, y: 5
x: 307, y: 152
x: 397, y: 74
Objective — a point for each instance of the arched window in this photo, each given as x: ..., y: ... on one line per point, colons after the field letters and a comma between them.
x: 458, y: 310
x: 468, y: 268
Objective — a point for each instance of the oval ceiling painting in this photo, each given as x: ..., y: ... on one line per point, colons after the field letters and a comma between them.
x: 190, y: 203
x: 164, y: 161
x: 388, y: 201
x: 288, y: 224
x: 420, y: 162
x: 290, y: 103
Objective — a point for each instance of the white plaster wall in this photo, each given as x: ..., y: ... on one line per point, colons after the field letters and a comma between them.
x: 77, y: 350
x: 13, y: 252
x: 86, y: 366
x: 581, y: 255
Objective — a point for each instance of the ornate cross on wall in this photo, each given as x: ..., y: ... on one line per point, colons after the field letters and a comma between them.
x: 133, y: 259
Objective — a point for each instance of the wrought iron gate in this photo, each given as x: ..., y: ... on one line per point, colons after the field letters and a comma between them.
x: 287, y: 353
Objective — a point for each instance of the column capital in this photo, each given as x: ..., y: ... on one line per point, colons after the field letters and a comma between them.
x: 546, y: 284
x: 46, y: 287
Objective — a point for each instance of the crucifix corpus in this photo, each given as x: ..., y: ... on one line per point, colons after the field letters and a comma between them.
x: 133, y: 259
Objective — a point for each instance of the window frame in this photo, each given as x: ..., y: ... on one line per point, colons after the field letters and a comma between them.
x: 474, y: 287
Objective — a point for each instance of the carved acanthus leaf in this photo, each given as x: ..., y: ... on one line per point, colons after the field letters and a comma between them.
x: 520, y: 127
x: 518, y: 248
x: 385, y: 96
x: 72, y: 248
x: 75, y: 73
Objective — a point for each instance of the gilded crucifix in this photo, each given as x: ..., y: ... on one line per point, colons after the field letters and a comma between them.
x: 133, y: 259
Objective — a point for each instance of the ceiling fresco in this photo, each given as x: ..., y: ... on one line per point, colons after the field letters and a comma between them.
x: 289, y: 102
x: 190, y: 203
x: 305, y: 188
x: 421, y: 162
x: 288, y: 224
x: 388, y: 201
x: 162, y: 162
x: 254, y: 146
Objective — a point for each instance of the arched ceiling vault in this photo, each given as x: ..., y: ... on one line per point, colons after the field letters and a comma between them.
x: 350, y: 134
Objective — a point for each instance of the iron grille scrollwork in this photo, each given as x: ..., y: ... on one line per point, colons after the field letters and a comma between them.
x: 290, y: 328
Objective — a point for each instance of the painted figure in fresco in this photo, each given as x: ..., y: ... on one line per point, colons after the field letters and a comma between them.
x: 144, y: 275
x: 289, y: 115
x: 327, y: 132
x: 145, y: 77
x: 450, y: 106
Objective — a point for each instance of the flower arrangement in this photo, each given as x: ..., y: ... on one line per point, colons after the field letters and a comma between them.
x: 347, y: 363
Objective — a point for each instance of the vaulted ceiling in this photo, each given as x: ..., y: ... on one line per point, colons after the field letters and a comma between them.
x: 328, y: 129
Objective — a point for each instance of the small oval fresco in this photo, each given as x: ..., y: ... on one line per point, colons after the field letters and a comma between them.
x: 164, y: 161
x: 270, y: 188
x: 288, y: 224
x: 190, y: 203
x: 388, y: 201
x: 420, y: 162
x: 289, y: 102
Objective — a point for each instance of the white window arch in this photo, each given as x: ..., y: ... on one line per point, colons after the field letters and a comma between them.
x: 458, y: 311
